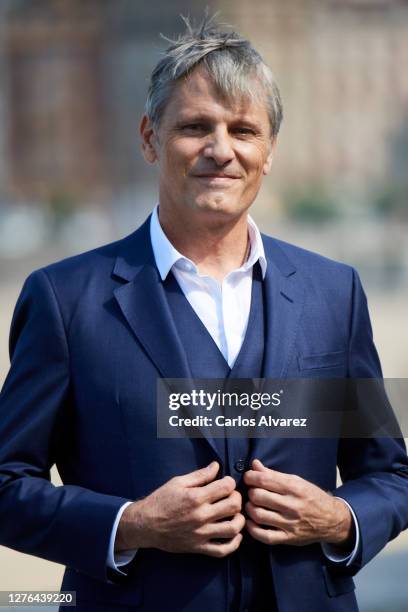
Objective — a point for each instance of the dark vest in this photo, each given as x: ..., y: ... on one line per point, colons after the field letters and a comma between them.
x: 250, y: 579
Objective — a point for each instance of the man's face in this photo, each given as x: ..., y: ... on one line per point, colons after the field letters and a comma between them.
x: 212, y: 153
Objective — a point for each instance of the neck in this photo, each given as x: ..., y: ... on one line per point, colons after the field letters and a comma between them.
x: 216, y: 249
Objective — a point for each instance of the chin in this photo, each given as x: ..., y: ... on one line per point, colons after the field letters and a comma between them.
x: 217, y: 203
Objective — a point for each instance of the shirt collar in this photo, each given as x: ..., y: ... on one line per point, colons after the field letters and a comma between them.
x: 166, y: 255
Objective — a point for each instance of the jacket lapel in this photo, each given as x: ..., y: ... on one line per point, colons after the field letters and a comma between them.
x: 143, y: 304
x: 284, y: 298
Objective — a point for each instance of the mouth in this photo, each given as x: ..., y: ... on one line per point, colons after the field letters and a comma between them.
x: 216, y: 175
x: 216, y: 178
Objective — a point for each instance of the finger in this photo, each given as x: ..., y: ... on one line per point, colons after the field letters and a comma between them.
x: 266, y: 536
x: 218, y: 549
x: 227, y: 507
x: 200, y: 477
x: 269, y: 499
x: 218, y: 489
x: 261, y: 516
x: 223, y: 508
x: 269, y: 479
x: 225, y: 529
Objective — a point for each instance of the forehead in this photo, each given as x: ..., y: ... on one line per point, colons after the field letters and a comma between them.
x: 199, y: 93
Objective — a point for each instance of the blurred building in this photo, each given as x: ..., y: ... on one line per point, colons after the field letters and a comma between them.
x: 341, y: 66
x: 73, y: 80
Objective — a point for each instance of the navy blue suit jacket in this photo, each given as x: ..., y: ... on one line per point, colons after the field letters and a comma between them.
x: 89, y: 337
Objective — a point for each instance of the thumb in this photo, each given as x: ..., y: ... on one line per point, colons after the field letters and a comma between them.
x: 258, y: 466
x: 202, y: 476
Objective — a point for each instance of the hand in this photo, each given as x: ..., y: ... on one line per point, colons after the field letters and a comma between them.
x: 192, y: 513
x: 286, y: 509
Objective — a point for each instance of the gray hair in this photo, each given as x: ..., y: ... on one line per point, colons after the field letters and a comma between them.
x: 230, y: 60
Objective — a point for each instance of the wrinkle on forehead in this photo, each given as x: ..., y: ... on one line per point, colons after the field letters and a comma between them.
x: 238, y: 101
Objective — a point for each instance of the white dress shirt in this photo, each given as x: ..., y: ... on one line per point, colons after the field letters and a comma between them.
x: 223, y: 307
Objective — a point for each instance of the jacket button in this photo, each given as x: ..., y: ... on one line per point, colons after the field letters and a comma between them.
x: 240, y: 465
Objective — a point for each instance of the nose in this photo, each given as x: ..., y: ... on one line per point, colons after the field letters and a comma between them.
x: 219, y: 146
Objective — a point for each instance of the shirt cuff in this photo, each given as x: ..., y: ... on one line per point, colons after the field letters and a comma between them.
x: 114, y: 561
x: 332, y: 551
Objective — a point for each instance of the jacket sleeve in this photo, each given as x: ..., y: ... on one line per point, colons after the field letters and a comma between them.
x: 374, y: 470
x: 66, y: 524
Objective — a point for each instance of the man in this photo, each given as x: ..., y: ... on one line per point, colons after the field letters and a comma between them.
x: 189, y: 524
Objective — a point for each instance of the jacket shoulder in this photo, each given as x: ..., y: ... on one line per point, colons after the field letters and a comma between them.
x: 87, y: 262
x: 88, y: 277
x: 305, y: 261
x: 98, y: 262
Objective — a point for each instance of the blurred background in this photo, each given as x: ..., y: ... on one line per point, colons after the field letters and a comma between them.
x: 73, y: 81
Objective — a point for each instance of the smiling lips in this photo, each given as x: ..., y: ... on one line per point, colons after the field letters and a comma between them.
x: 219, y: 178
x: 215, y: 175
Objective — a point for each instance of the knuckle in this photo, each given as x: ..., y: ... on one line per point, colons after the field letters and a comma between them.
x: 224, y: 490
x: 229, y: 483
x: 201, y: 536
x: 200, y: 516
x: 235, y: 526
x: 237, y: 498
x: 297, y: 509
x: 242, y: 521
x: 257, y: 512
x: 235, y: 509
x: 235, y: 504
x: 253, y: 495
x: 188, y: 494
x: 193, y: 498
x: 206, y: 513
x: 296, y: 482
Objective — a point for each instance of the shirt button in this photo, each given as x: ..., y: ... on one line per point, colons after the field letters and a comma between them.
x: 240, y: 465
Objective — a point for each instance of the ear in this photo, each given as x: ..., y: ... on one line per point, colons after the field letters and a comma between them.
x: 268, y: 162
x: 149, y: 140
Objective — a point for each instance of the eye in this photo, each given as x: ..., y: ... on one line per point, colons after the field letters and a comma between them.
x: 193, y: 127
x: 244, y: 131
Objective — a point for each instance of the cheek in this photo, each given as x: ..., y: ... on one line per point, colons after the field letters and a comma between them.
x: 257, y: 170
x: 181, y: 152
x: 254, y: 159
